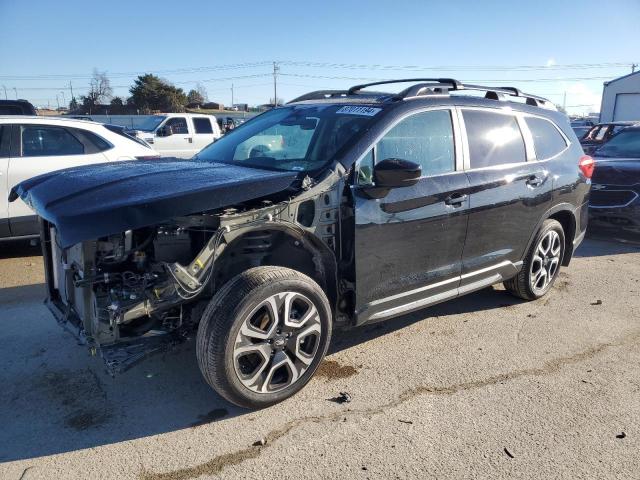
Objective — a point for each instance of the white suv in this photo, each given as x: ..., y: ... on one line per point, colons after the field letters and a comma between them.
x: 30, y: 146
x: 179, y: 134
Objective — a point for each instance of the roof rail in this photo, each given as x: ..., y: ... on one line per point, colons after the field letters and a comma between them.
x: 495, y: 93
x: 319, y: 95
x: 433, y: 86
x: 455, y: 84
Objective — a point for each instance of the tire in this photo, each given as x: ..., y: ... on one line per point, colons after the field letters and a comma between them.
x: 545, y: 255
x: 252, y: 356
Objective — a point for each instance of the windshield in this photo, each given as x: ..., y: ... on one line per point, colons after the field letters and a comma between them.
x: 151, y: 123
x: 298, y: 138
x: 625, y: 144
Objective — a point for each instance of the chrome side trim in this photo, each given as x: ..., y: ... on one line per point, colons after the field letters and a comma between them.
x: 402, y: 303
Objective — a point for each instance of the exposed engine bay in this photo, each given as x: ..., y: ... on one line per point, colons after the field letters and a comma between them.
x: 141, y: 291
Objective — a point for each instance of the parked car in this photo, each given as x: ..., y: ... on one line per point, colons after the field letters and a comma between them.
x: 580, y: 131
x: 16, y: 107
x: 31, y: 146
x: 601, y: 134
x: 179, y: 135
x: 615, y: 194
x: 582, y: 122
x: 371, y: 206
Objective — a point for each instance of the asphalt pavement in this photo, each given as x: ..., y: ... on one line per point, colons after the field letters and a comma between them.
x: 485, y: 386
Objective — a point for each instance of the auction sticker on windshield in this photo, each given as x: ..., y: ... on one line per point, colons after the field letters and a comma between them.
x: 352, y: 110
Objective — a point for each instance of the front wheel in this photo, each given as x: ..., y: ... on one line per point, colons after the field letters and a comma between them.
x: 542, y: 264
x: 263, y: 335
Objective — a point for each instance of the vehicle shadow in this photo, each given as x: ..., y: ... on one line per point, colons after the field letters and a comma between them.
x: 19, y: 248
x: 55, y: 398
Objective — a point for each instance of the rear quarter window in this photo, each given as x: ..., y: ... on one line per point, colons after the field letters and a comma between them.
x: 547, y: 140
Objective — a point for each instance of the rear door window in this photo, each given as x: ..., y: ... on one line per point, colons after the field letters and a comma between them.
x: 494, y: 138
x: 547, y: 140
x: 202, y: 125
x: 40, y: 141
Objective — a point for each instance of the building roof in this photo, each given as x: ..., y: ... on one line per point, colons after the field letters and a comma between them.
x: 620, y: 78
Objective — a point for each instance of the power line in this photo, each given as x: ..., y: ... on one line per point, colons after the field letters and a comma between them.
x: 480, y: 68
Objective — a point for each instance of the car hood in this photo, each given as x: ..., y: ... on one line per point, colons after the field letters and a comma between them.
x: 97, y: 200
x: 616, y: 171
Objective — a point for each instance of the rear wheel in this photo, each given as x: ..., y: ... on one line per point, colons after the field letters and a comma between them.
x: 542, y: 264
x: 263, y: 336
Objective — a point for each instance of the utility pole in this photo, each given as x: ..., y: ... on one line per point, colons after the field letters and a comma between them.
x: 16, y: 90
x: 71, y: 88
x: 564, y: 102
x: 5, y: 92
x: 64, y: 98
x: 57, y: 101
x: 276, y: 69
x: 232, y: 95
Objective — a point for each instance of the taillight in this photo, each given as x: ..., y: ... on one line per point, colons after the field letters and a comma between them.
x: 586, y: 165
x: 148, y: 157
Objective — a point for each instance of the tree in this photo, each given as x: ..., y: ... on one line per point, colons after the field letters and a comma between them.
x: 202, y: 91
x: 73, y: 105
x: 152, y: 93
x: 117, y: 102
x: 100, y: 90
x: 278, y: 102
x: 195, y: 97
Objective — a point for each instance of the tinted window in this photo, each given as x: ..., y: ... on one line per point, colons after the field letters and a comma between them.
x: 494, y: 139
x: 178, y: 124
x: 547, y: 140
x: 425, y: 138
x: 202, y: 125
x: 39, y: 141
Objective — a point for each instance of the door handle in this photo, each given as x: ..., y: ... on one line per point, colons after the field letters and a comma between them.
x: 190, y: 139
x: 534, y: 181
x: 456, y: 199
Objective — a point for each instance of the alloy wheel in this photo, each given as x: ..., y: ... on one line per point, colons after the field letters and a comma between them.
x: 277, y: 342
x: 545, y: 262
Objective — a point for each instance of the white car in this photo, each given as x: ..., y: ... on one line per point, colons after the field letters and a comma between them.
x: 31, y: 146
x: 179, y: 135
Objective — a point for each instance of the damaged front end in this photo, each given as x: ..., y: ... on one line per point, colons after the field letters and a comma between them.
x: 143, y: 291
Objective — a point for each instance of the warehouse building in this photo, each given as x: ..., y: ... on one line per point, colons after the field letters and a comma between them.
x: 621, y: 99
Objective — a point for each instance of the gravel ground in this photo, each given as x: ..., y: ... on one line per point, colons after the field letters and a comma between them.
x: 485, y: 386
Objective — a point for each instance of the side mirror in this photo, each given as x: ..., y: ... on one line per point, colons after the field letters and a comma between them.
x: 392, y: 173
x: 165, y: 131
x: 396, y: 173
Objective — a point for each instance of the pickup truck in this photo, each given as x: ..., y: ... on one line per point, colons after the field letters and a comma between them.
x: 178, y: 134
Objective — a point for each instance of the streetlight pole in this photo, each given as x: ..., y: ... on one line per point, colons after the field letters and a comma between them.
x: 275, y: 84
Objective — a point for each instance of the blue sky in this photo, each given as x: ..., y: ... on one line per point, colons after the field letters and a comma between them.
x: 331, y: 44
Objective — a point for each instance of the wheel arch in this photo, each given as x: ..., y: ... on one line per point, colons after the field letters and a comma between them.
x: 294, y: 248
x: 565, y: 214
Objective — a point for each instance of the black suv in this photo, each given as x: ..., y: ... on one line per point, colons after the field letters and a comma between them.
x: 338, y: 209
x: 16, y: 107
